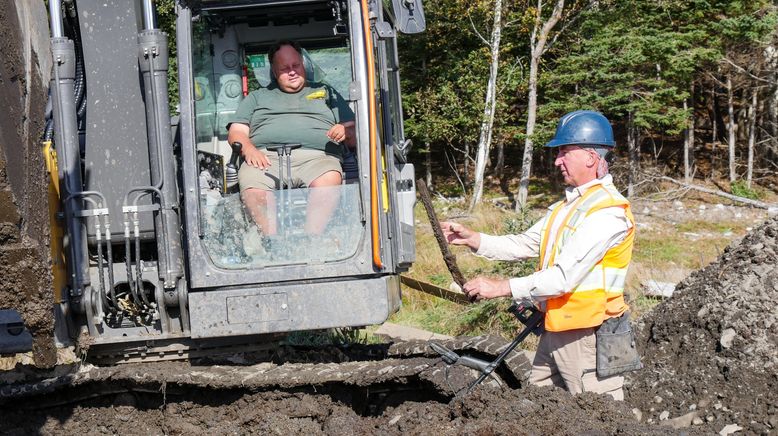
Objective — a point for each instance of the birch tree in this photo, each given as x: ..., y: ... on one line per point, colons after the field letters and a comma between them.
x: 633, y: 151
x: 731, y: 129
x: 751, y: 134
x: 487, y: 120
x: 538, y: 41
x: 688, y: 143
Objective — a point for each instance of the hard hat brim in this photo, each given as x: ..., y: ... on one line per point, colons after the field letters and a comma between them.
x: 558, y: 143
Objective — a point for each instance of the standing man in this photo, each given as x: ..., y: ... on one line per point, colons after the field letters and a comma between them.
x: 584, y: 246
x: 291, y: 110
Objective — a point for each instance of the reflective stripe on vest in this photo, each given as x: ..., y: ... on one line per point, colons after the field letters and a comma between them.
x: 600, y: 295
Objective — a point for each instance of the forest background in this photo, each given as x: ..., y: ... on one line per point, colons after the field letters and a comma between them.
x: 690, y: 87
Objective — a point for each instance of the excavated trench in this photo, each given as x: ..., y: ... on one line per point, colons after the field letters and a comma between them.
x: 403, y: 405
x: 710, y: 355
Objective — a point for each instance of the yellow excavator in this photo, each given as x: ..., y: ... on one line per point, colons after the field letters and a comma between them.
x: 152, y: 255
x: 126, y: 235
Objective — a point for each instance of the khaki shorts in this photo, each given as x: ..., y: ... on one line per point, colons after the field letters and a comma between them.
x: 307, y: 166
x: 568, y: 360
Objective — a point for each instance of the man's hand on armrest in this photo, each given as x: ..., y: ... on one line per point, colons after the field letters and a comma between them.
x: 351, y: 134
x: 337, y: 133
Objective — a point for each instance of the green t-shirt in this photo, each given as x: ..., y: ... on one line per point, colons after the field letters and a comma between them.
x: 304, y: 117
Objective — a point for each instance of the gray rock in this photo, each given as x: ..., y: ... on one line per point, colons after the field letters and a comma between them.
x: 727, y: 337
x: 730, y: 429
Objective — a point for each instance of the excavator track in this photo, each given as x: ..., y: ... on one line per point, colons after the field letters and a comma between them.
x: 377, y: 368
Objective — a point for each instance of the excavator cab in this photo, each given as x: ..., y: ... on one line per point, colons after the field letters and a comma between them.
x: 162, y: 259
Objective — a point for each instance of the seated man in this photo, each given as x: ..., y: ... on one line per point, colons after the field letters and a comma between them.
x: 291, y: 110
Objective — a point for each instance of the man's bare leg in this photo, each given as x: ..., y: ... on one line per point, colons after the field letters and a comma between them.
x: 261, y: 205
x: 322, y: 202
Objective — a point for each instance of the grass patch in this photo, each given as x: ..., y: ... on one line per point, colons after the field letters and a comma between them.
x: 741, y: 189
x: 657, y: 249
x: 700, y: 226
x: 690, y: 244
x: 338, y: 336
x: 444, y: 317
x: 663, y: 252
x: 642, y: 304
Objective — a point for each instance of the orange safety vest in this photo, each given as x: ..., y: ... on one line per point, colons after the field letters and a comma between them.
x: 600, y: 295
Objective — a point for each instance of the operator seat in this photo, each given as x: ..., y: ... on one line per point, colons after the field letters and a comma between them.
x: 313, y: 73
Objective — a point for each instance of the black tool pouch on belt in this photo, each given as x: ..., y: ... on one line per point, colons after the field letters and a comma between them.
x: 616, y: 351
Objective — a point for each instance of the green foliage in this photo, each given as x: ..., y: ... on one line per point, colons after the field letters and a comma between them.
x: 741, y: 189
x: 661, y: 250
x: 517, y: 223
x: 440, y: 279
x: 166, y: 17
x: 445, y: 72
x: 636, y: 58
x: 340, y: 336
x: 487, y: 316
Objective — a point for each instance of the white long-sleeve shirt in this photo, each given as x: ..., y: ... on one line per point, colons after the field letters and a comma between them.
x: 597, y: 233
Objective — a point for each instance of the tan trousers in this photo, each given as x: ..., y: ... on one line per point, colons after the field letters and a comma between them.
x: 568, y: 360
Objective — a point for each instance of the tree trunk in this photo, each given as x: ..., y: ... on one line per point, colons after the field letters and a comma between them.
x: 688, y: 143
x: 771, y: 56
x: 634, y: 156
x: 538, y: 41
x: 773, y: 116
x: 751, y: 135
x: 466, y: 163
x: 487, y: 121
x: 715, y: 121
x: 748, y: 201
x: 499, y: 167
x: 428, y: 165
x: 715, y: 143
x: 731, y: 129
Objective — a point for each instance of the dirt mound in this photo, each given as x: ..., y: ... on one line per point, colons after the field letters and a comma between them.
x: 324, y: 410
x: 711, y: 352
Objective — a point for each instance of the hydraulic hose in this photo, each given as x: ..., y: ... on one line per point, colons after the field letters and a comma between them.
x: 127, y: 261
x: 109, y: 252
x: 136, y: 288
x: 48, y: 131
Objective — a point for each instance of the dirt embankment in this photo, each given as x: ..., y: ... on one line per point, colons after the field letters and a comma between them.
x: 322, y: 410
x: 711, y: 352
x: 25, y: 279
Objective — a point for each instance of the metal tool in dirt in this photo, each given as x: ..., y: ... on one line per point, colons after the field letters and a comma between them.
x: 435, y: 290
x: 526, y: 313
x: 284, y: 152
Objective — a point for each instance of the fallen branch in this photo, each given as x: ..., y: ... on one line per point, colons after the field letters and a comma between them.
x: 748, y: 201
x: 448, y: 257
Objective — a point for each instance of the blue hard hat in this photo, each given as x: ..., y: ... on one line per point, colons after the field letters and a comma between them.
x: 583, y: 128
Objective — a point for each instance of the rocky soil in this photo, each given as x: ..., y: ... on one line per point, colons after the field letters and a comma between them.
x: 319, y: 411
x: 711, y: 352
